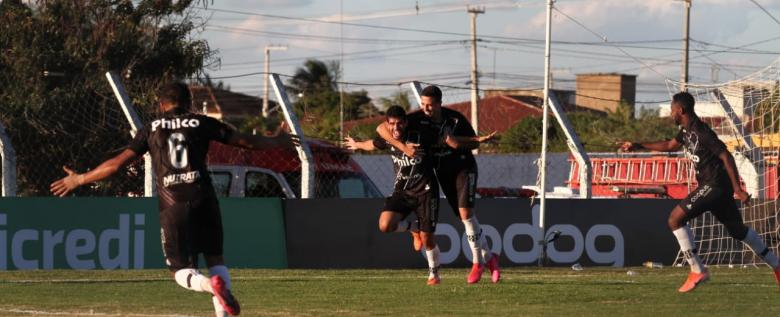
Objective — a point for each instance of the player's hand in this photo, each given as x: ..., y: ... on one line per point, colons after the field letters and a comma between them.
x: 350, y: 143
x: 627, y: 146
x: 487, y: 138
x: 67, y: 184
x: 743, y: 197
x: 410, y: 149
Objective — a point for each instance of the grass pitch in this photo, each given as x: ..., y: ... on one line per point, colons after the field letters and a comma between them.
x: 522, y: 292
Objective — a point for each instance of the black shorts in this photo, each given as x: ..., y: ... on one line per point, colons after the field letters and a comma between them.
x: 718, y: 200
x: 425, y: 205
x: 188, y: 229
x: 459, y: 186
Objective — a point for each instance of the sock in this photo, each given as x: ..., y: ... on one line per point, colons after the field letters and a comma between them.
x: 222, y: 271
x: 433, y: 261
x: 403, y: 226
x: 219, y: 311
x: 486, y: 253
x: 685, y: 239
x: 192, y: 280
x: 759, y: 248
x: 474, y: 234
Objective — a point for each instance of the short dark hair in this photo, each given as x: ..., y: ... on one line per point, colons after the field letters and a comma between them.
x: 685, y: 100
x: 432, y: 92
x: 177, y: 94
x: 395, y: 112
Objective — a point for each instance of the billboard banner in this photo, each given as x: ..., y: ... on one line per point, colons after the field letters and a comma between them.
x: 124, y: 233
x: 334, y: 233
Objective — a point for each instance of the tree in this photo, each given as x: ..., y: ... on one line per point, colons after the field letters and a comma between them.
x: 55, y: 101
x: 319, y: 99
x: 399, y: 98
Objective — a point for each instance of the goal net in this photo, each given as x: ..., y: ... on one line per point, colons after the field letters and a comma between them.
x: 745, y: 113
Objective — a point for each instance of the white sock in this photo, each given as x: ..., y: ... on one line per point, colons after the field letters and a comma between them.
x: 486, y: 253
x: 219, y: 311
x: 474, y: 234
x: 685, y: 239
x: 222, y: 271
x: 759, y: 248
x: 403, y: 226
x: 192, y: 280
x: 433, y: 261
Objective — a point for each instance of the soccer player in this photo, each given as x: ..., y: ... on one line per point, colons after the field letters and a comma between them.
x: 415, y: 189
x: 456, y: 169
x: 718, y: 180
x: 190, y: 218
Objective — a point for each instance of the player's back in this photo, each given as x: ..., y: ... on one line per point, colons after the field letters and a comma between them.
x: 178, y: 142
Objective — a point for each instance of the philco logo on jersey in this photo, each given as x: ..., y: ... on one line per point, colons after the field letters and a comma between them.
x: 175, y: 123
x: 406, y: 161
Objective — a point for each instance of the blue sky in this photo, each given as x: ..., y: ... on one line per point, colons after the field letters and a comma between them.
x: 395, y: 41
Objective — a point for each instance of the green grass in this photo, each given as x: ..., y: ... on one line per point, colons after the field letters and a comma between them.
x: 522, y: 292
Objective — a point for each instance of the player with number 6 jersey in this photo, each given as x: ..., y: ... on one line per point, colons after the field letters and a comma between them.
x: 190, y: 219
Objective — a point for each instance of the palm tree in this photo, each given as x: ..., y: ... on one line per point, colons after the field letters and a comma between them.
x: 315, y: 76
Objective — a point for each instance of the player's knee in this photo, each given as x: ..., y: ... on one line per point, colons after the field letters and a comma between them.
x: 385, y: 226
x: 676, y: 219
x: 737, y: 231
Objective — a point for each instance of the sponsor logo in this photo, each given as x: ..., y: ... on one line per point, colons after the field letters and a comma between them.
x: 175, y: 123
x: 704, y: 191
x: 121, y: 247
x: 173, y: 179
x: 504, y: 243
x: 405, y: 161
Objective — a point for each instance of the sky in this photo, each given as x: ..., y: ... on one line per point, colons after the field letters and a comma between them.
x: 382, y: 43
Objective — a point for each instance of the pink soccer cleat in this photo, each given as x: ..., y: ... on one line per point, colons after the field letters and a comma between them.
x: 777, y: 275
x: 694, y: 279
x: 229, y: 303
x: 492, y: 265
x: 476, y: 273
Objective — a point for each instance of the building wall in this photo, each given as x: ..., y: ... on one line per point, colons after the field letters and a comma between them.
x: 604, y: 92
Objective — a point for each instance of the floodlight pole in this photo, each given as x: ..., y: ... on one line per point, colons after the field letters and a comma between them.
x: 545, y: 119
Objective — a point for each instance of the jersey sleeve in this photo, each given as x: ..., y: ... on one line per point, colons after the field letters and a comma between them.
x: 140, y: 143
x: 462, y: 126
x: 217, y: 130
x: 712, y: 143
x: 380, y: 143
x: 679, y: 137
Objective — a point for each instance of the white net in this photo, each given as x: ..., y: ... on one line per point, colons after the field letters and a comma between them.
x: 745, y: 114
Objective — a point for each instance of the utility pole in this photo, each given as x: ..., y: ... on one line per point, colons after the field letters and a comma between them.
x: 474, y: 76
x: 686, y: 35
x: 545, y: 120
x: 267, y: 68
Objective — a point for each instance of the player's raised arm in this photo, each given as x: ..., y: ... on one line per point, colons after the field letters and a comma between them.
x: 259, y: 142
x: 67, y: 184
x: 467, y: 143
x: 351, y: 144
x: 661, y: 146
x: 383, y: 129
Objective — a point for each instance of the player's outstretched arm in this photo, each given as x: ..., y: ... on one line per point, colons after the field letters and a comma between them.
x: 351, y: 144
x: 259, y: 142
x: 468, y: 143
x: 661, y: 146
x: 67, y: 184
x: 384, y: 132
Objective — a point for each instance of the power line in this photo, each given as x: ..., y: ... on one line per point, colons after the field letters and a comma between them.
x: 765, y: 11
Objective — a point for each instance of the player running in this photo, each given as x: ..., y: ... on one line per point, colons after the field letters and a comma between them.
x: 456, y: 169
x: 718, y: 180
x: 415, y: 189
x: 190, y: 218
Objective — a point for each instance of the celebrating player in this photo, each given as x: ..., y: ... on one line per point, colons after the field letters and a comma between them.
x: 190, y: 218
x: 415, y: 187
x: 456, y: 169
x: 718, y: 180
